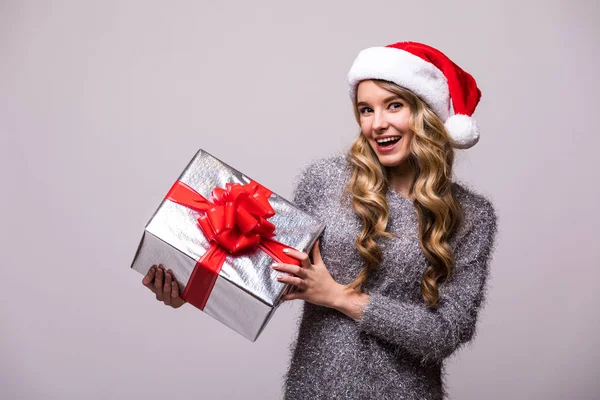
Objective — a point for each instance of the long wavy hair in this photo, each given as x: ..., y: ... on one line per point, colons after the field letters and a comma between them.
x: 439, y: 212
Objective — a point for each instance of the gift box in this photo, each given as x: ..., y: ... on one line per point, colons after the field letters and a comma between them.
x: 219, y: 231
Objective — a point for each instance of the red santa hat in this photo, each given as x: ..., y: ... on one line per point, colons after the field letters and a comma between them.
x: 432, y: 76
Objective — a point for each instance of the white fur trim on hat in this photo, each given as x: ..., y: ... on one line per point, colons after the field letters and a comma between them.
x: 463, y: 130
x: 406, y: 70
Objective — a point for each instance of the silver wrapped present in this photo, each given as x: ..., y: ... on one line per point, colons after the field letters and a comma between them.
x: 219, y: 231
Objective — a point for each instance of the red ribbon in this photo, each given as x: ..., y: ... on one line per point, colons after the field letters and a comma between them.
x: 234, y: 220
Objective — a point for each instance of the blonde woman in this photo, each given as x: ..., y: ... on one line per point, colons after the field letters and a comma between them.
x: 394, y: 285
x: 396, y: 282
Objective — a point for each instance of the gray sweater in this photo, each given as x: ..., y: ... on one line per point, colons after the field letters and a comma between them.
x: 396, y: 350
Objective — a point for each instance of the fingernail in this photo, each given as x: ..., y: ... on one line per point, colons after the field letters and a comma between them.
x: 274, y: 265
x: 279, y: 276
x: 286, y: 250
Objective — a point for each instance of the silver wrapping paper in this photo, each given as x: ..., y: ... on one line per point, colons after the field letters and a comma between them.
x: 246, y: 293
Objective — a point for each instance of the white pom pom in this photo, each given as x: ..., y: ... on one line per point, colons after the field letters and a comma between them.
x: 463, y: 130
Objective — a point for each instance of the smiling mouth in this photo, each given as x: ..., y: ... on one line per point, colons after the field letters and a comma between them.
x: 388, y: 142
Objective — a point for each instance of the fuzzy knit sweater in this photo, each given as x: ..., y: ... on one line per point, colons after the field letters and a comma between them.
x: 397, y: 348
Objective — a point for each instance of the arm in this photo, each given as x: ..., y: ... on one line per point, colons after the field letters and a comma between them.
x: 433, y: 334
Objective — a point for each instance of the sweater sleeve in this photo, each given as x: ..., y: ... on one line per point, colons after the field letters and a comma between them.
x: 432, y: 334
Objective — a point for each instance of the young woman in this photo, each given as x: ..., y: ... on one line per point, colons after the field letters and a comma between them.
x: 397, y: 278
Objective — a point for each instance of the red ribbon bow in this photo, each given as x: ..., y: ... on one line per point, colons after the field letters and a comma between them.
x: 233, y: 220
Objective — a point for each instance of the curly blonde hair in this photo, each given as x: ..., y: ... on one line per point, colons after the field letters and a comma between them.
x: 439, y: 212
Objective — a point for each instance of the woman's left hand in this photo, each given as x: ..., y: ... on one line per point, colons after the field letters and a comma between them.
x: 315, y: 283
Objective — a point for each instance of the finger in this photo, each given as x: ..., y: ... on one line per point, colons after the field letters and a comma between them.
x: 316, y: 253
x: 167, y: 288
x: 290, y: 268
x: 303, y: 257
x: 176, y: 301
x: 147, y: 281
x: 158, y: 282
x: 293, y: 280
x: 293, y: 296
x: 175, y: 291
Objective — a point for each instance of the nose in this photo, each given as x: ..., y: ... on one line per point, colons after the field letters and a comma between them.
x: 379, y: 121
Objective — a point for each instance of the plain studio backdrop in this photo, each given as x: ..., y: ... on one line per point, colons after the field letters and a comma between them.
x: 103, y: 103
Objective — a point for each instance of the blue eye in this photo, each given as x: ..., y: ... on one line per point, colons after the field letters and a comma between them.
x: 395, y: 106
x: 364, y: 110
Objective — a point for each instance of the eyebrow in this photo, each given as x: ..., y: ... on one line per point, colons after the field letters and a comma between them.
x: 386, y: 100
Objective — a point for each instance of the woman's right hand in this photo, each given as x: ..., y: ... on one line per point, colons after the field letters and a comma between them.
x: 167, y: 291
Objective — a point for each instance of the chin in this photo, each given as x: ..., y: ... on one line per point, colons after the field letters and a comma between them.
x: 392, y: 160
x: 392, y: 164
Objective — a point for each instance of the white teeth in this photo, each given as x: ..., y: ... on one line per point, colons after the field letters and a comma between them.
x: 388, y: 139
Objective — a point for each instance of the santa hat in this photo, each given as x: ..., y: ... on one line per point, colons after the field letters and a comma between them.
x: 432, y: 76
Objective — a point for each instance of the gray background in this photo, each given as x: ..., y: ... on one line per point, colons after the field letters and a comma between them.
x: 103, y: 103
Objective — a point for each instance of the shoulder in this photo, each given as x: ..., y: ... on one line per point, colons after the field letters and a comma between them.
x: 479, y: 212
x: 322, y: 176
x: 473, y: 202
x: 328, y: 171
x: 330, y: 166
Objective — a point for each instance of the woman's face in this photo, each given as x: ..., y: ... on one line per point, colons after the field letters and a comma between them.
x: 384, y: 115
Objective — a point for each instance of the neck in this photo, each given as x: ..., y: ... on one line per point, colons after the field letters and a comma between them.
x: 401, y: 179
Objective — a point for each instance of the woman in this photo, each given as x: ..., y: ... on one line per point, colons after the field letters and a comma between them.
x: 398, y: 276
